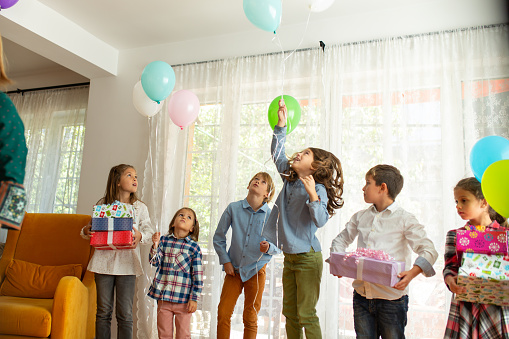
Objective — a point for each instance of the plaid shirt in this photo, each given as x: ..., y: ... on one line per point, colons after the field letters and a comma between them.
x: 179, y: 274
x: 471, y: 320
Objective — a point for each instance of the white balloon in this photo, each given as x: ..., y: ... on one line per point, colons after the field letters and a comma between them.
x: 143, y: 104
x: 319, y: 5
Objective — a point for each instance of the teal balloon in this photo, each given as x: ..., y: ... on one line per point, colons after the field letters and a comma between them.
x: 158, y: 80
x: 487, y: 151
x: 293, y: 109
x: 264, y: 14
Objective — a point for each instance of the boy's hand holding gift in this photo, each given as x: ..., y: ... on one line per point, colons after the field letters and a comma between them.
x: 406, y: 277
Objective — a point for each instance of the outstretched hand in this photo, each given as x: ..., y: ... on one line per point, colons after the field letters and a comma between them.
x: 282, y: 113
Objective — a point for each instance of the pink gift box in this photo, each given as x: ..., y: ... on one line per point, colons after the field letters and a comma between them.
x: 366, y: 269
x: 485, y: 242
x: 114, y: 240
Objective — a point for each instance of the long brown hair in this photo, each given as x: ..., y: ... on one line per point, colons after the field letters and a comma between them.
x: 328, y: 172
x: 473, y: 186
x: 196, y: 226
x: 112, y: 192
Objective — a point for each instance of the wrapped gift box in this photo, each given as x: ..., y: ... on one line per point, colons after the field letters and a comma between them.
x: 486, y: 278
x: 112, y: 224
x: 116, y: 210
x: 366, y: 269
x: 114, y: 240
x: 488, y: 242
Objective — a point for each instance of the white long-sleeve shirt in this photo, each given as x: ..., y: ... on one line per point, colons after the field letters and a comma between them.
x: 394, y: 231
x: 125, y: 262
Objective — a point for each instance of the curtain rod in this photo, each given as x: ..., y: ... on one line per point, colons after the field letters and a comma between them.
x: 22, y: 91
x: 322, y: 44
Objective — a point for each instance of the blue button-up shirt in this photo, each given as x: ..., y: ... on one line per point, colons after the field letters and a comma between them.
x: 247, y: 225
x: 294, y: 220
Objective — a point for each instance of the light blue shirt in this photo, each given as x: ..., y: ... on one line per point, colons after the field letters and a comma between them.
x: 294, y: 220
x: 247, y: 225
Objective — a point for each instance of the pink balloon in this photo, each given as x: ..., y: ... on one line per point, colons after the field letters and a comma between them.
x: 183, y: 108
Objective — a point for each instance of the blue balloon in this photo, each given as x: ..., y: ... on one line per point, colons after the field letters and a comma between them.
x: 264, y: 14
x: 487, y: 151
x: 158, y: 80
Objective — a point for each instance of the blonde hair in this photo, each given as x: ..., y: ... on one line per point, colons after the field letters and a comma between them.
x: 4, y: 80
x: 196, y: 226
x: 271, y: 188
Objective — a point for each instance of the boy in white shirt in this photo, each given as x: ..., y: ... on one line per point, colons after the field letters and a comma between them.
x: 381, y: 310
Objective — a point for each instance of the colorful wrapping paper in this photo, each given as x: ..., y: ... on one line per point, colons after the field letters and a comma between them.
x: 114, y: 240
x: 112, y: 224
x: 487, y: 242
x: 116, y: 210
x: 366, y: 269
x: 486, y: 278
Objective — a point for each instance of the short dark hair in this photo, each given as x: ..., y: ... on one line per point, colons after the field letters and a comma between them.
x: 389, y: 175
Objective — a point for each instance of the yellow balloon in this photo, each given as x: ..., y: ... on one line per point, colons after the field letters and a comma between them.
x: 495, y: 186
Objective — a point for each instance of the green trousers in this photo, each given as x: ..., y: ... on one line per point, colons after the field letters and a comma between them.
x: 301, y: 288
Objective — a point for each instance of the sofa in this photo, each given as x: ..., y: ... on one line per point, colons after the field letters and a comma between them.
x: 45, y: 289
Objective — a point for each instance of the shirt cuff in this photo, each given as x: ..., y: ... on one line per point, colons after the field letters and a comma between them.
x: 279, y: 130
x: 273, y: 249
x: 426, y: 267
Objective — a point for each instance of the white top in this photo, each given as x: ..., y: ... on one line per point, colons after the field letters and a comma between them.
x: 124, y: 262
x: 396, y: 232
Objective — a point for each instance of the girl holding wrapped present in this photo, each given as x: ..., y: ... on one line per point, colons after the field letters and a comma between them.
x: 116, y: 270
x: 466, y: 319
x: 179, y: 276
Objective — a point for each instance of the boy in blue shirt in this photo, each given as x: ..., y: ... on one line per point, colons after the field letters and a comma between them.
x: 381, y: 310
x: 243, y: 263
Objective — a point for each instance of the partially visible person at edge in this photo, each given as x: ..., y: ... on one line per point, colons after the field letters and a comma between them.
x: 13, y: 155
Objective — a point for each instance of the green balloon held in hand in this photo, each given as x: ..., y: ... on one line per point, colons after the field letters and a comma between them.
x: 293, y: 109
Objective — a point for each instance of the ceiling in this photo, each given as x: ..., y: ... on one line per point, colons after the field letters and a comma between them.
x: 129, y: 24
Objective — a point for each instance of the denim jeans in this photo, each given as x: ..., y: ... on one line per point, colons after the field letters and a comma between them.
x: 379, y: 317
x: 301, y: 288
x: 107, y: 286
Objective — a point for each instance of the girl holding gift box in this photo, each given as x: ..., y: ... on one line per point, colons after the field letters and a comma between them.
x: 466, y: 319
x: 179, y: 277
x: 313, y: 185
x: 116, y: 270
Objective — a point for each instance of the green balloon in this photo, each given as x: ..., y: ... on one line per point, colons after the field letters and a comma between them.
x: 495, y: 186
x: 293, y: 108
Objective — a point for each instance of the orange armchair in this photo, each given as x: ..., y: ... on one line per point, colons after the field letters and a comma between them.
x: 50, y: 240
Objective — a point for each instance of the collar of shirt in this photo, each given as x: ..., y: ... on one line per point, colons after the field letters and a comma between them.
x: 186, y: 239
x: 391, y: 208
x: 246, y: 205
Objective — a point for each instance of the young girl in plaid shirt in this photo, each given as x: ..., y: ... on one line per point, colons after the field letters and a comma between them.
x: 179, y: 277
x: 472, y: 320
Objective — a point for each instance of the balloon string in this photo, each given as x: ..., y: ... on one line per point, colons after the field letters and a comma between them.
x: 283, y: 58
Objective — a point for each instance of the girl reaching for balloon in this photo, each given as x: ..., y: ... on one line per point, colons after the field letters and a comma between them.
x: 313, y: 185
x: 472, y: 320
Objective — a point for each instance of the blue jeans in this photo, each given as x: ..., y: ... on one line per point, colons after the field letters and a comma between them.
x: 379, y: 317
x: 107, y: 285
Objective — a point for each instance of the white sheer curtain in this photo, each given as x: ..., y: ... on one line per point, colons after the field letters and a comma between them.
x: 416, y: 102
x: 54, y: 129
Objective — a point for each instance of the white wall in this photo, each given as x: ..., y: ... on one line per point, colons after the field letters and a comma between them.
x: 116, y: 133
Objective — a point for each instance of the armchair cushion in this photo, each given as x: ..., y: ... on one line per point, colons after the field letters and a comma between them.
x: 28, y: 280
x: 26, y: 317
